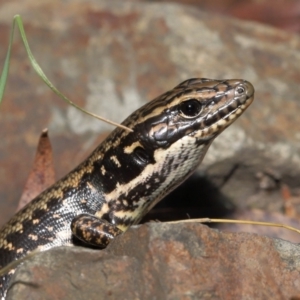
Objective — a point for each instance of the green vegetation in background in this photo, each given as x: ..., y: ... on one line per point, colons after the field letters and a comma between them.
x: 3, y: 79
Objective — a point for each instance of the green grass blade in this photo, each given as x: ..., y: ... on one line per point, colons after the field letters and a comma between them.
x: 17, y: 20
x: 4, y: 74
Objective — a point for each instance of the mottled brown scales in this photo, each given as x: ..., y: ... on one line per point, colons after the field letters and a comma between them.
x: 19, y: 227
x: 129, y: 172
x: 55, y: 193
x: 74, y: 180
x: 93, y: 230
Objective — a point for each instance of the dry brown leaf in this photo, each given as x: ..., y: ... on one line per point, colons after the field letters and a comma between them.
x: 42, y: 174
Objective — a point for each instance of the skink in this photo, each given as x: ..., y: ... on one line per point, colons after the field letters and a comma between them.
x: 127, y: 174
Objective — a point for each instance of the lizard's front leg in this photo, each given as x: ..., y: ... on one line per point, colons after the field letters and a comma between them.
x: 94, y: 231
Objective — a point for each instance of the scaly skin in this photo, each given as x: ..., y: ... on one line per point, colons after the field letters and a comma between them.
x: 129, y: 172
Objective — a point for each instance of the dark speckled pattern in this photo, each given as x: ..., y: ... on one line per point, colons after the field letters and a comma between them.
x: 129, y: 172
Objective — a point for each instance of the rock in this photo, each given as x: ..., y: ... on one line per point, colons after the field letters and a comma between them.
x: 165, y: 261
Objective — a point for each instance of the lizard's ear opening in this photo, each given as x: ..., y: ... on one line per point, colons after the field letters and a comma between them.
x: 142, y: 156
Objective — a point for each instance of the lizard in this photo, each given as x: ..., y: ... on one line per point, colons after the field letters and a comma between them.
x: 129, y: 172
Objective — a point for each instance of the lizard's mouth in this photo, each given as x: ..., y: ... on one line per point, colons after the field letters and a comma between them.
x: 223, y: 110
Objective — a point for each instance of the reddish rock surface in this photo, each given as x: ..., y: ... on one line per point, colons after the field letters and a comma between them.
x: 165, y: 261
x: 280, y: 13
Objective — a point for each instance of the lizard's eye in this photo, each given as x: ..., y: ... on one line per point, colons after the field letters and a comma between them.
x: 141, y: 155
x: 190, y: 108
x: 240, y: 90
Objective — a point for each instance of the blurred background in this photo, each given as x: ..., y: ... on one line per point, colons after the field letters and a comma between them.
x: 280, y: 13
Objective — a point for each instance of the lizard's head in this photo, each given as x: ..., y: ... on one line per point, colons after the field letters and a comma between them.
x: 170, y: 137
x: 199, y: 108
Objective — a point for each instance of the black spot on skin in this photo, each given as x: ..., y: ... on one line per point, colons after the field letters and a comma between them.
x: 106, y: 217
